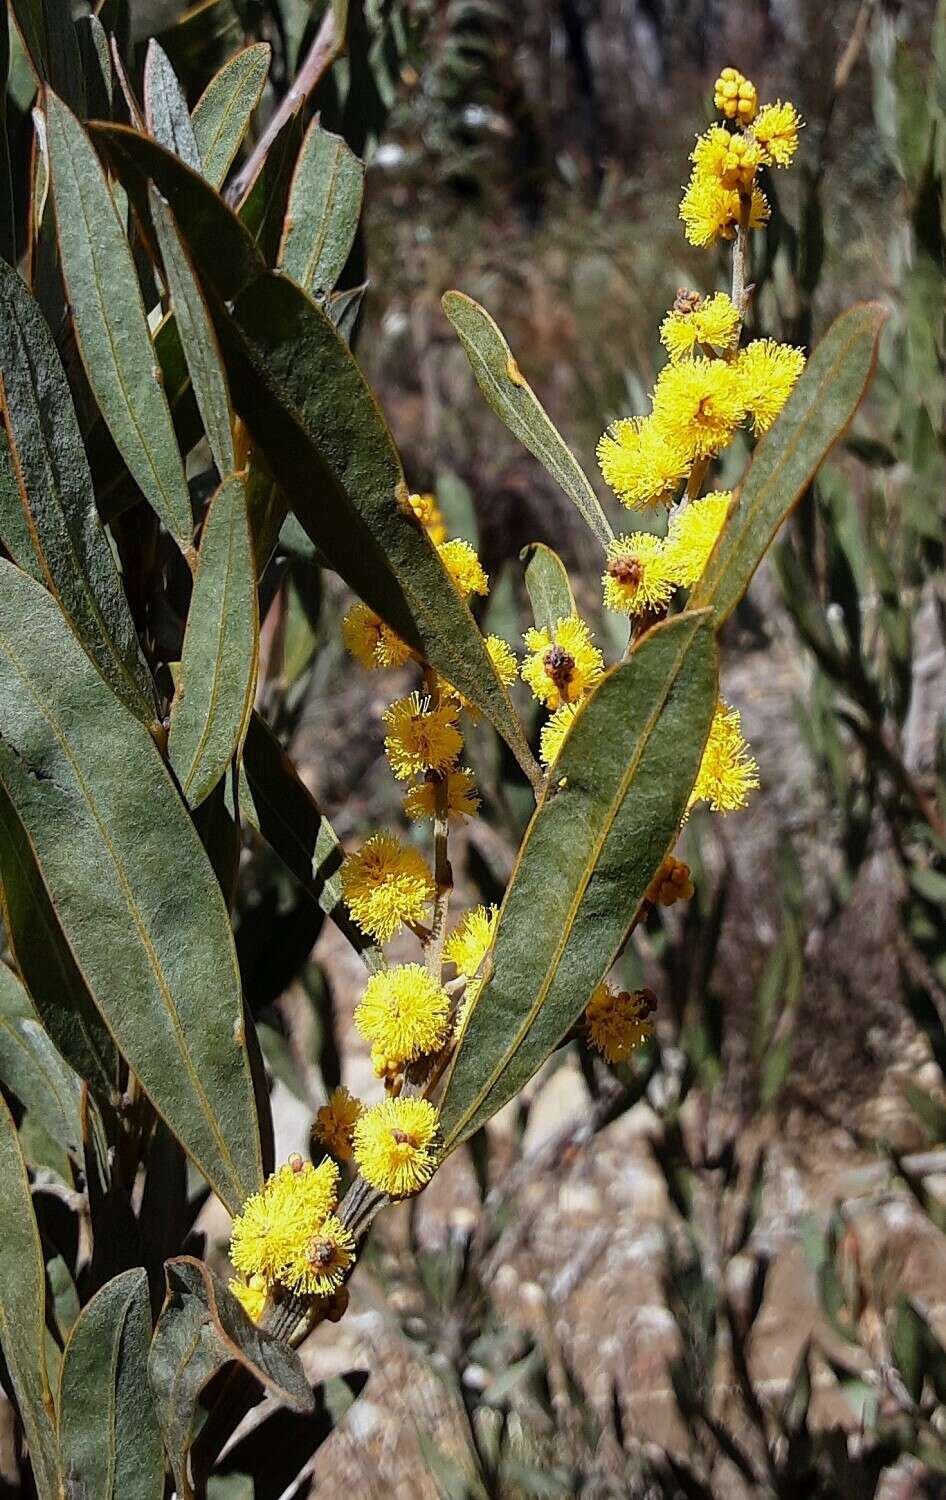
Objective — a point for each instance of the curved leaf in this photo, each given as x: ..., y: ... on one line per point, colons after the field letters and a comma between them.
x: 198, y: 339
x: 611, y: 812
x: 513, y: 399
x: 223, y: 111
x: 214, y: 697
x: 278, y: 804
x: 132, y: 878
x: 310, y: 412
x: 202, y: 1328
x: 263, y: 207
x: 109, y: 1439
x: 32, y: 1069
x: 324, y: 209
x: 58, y: 502
x: 49, y: 36
x: 23, y: 1310
x: 166, y: 110
x: 547, y: 585
x: 816, y: 415
x: 111, y: 327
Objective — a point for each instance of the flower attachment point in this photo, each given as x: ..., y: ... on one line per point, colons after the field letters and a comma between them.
x: 393, y: 1145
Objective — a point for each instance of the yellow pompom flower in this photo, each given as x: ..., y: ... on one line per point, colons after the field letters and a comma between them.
x: 320, y: 1265
x: 734, y: 159
x: 335, y: 1122
x: 252, y: 1295
x: 403, y: 1013
x: 672, y: 883
x: 617, y: 1021
x: 371, y: 642
x: 422, y: 735
x: 728, y: 771
x: 642, y: 465
x: 469, y: 942
x: 638, y: 578
x: 562, y: 665
x: 273, y: 1222
x: 767, y: 374
x: 693, y: 535
x: 386, y: 884
x: 464, y: 567
x: 503, y: 658
x: 430, y: 516
x: 463, y: 800
x: 699, y: 403
x: 393, y: 1145
x: 776, y: 132
x: 694, y: 321
x: 709, y: 211
x: 734, y: 96
x: 554, y: 731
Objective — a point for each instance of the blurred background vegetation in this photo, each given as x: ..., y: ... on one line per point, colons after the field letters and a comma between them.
x: 722, y: 1270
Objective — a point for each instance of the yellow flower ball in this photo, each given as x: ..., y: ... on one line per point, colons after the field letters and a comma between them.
x: 462, y: 797
x: 767, y: 372
x: 642, y: 466
x: 319, y: 1266
x: 638, y: 579
x: 393, y: 1145
x: 271, y: 1224
x: 464, y: 567
x: 335, y: 1122
x: 693, y: 534
x: 554, y: 732
x: 385, y: 885
x: 728, y: 772
x: 775, y: 132
x: 469, y: 942
x: 371, y: 642
x: 252, y: 1296
x: 403, y: 1013
x: 422, y: 735
x: 563, y: 664
x: 694, y: 322
x: 699, y: 403
x: 618, y: 1021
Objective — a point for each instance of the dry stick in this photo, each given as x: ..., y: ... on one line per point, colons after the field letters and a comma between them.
x: 327, y: 46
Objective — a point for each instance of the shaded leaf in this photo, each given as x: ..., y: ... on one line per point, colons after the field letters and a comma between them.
x: 306, y: 404
x: 217, y: 682
x: 109, y: 1440
x: 276, y: 802
x: 111, y: 327
x: 14, y: 532
x: 223, y: 111
x: 7, y: 212
x: 549, y: 590
x: 23, y: 1310
x: 816, y: 415
x: 202, y: 1328
x: 610, y: 814
x: 166, y: 112
x: 132, y: 877
x: 44, y: 959
x: 49, y: 36
x: 96, y: 66
x: 58, y: 501
x: 263, y: 207
x: 32, y: 1069
x: 323, y: 213
x: 513, y: 399
x: 198, y: 339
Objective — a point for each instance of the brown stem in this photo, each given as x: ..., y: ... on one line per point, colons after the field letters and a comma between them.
x: 321, y: 55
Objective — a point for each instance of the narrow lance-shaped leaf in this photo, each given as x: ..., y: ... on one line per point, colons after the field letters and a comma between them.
x: 314, y: 419
x: 547, y: 585
x: 7, y: 217
x: 23, y: 1310
x: 14, y: 532
x: 32, y: 1069
x: 132, y: 879
x: 324, y: 209
x: 45, y: 962
x: 263, y: 206
x: 49, y: 35
x: 96, y: 66
x: 611, y: 812
x: 278, y: 804
x: 58, y: 502
x: 109, y: 1439
x: 214, y: 697
x: 202, y: 1328
x: 222, y: 113
x: 513, y: 399
x: 199, y: 341
x: 110, y: 322
x: 166, y: 110
x: 816, y: 415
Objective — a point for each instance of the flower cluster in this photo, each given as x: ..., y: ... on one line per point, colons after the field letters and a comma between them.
x: 291, y: 1239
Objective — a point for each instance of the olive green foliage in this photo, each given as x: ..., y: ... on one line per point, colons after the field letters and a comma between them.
x: 189, y: 446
